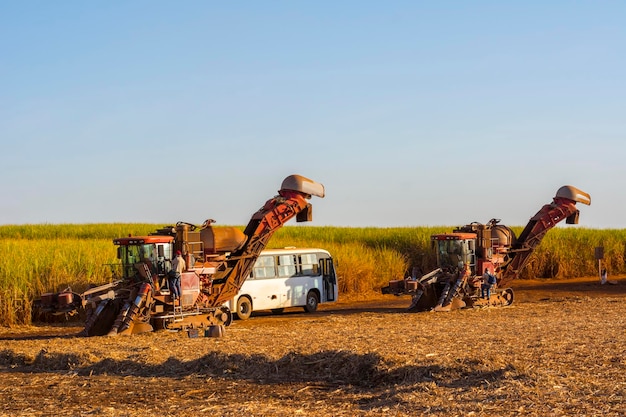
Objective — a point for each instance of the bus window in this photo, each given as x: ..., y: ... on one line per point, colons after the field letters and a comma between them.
x: 308, y: 264
x: 264, y: 267
x: 286, y: 265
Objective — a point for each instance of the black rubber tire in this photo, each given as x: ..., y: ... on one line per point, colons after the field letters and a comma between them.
x: 229, y: 314
x: 312, y: 300
x: 244, y: 308
x: 507, y: 294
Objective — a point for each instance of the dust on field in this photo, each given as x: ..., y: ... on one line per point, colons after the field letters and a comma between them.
x: 546, y: 357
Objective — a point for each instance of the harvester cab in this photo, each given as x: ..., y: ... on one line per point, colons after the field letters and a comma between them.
x: 481, y: 246
x: 155, y: 252
x: 454, y: 250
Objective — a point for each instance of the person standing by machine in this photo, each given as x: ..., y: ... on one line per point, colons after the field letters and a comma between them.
x: 488, y: 281
x: 174, y: 277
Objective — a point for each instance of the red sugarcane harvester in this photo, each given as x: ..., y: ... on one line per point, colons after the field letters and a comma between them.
x: 466, y: 254
x: 218, y: 260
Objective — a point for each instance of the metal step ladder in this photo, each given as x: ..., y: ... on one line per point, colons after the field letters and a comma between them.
x: 178, y: 313
x: 145, y: 272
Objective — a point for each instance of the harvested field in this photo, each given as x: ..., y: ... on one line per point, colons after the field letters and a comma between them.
x: 559, y: 350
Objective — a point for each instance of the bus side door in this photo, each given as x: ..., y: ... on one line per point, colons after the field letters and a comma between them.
x: 329, y: 279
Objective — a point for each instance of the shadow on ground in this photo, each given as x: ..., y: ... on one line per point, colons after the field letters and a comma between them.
x: 328, y: 367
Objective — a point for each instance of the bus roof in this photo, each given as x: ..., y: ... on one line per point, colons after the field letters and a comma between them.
x: 292, y: 249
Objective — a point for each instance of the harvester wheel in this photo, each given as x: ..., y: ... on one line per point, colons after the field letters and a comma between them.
x: 229, y: 315
x: 159, y: 324
x: 507, y: 294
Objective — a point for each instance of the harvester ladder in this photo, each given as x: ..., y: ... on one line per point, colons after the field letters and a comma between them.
x: 147, y: 274
x: 178, y: 313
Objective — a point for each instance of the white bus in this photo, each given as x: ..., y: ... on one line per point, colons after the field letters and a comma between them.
x: 289, y: 277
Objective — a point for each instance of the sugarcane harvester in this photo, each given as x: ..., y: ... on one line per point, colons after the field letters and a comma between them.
x: 464, y: 256
x: 218, y: 260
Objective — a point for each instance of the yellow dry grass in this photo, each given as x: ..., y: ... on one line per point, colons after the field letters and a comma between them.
x: 563, y: 355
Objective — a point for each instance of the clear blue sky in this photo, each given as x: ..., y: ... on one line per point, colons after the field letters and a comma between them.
x: 410, y: 113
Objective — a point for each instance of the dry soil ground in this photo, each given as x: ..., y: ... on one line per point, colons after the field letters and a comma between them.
x: 558, y: 350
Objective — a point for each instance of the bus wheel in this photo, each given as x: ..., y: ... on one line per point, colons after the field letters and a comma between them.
x: 244, y: 308
x: 312, y: 300
x: 277, y: 310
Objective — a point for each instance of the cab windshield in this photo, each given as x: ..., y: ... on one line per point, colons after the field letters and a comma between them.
x: 452, y: 254
x: 134, y: 254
